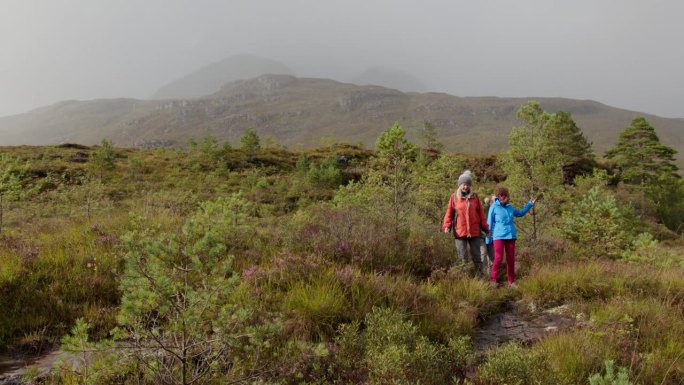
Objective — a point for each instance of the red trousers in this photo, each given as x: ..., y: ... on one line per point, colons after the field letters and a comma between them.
x: 499, y: 246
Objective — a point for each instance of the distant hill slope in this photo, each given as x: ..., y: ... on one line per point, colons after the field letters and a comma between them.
x: 390, y: 78
x: 209, y: 79
x: 300, y: 111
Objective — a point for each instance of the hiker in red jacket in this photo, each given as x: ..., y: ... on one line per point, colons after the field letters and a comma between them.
x: 467, y: 218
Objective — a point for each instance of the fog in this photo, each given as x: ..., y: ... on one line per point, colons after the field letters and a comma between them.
x: 625, y: 53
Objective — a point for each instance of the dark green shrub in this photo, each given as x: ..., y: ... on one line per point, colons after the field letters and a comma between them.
x: 597, y: 225
x: 511, y: 364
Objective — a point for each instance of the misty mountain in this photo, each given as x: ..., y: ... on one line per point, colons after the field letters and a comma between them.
x: 208, y: 79
x: 301, y: 111
x: 390, y: 78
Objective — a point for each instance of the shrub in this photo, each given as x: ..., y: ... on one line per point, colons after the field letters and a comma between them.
x: 609, y: 378
x: 456, y: 301
x: 646, y: 249
x: 344, y: 234
x: 328, y: 174
x: 397, y: 354
x: 513, y: 365
x: 597, y: 225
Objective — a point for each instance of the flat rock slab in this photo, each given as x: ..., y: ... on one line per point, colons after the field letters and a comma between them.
x: 509, y: 325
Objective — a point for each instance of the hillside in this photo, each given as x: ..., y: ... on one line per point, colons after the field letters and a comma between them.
x: 391, y: 78
x: 300, y: 111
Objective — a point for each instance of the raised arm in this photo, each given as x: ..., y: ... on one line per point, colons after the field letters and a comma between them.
x: 524, y: 210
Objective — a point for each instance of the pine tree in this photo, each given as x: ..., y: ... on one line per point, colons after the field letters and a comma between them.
x: 428, y: 135
x: 639, y: 156
x: 210, y: 148
x: 533, y: 163
x: 175, y: 291
x: 250, y: 142
x: 393, y: 165
x: 642, y: 162
x: 303, y: 164
x: 574, y: 148
x: 103, y: 161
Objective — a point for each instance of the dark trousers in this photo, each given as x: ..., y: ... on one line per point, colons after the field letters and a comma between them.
x: 462, y: 245
x: 487, y: 255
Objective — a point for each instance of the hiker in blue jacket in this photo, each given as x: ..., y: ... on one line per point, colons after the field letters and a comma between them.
x: 502, y: 229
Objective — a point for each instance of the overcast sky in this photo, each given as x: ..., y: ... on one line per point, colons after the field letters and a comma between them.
x: 625, y: 53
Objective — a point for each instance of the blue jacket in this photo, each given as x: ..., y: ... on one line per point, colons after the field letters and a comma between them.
x: 500, y: 219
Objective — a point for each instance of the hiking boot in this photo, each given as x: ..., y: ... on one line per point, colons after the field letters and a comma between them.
x: 512, y: 286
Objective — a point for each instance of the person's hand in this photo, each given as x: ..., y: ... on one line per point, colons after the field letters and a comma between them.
x: 446, y: 229
x: 533, y: 200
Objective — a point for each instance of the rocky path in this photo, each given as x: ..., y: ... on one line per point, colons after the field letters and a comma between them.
x: 512, y: 324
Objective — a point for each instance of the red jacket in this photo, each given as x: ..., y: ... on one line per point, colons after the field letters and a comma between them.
x: 470, y: 220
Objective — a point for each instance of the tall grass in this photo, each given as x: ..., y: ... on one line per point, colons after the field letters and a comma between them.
x: 574, y: 356
x: 654, y: 336
x: 317, y: 307
x: 56, y: 278
x: 551, y: 285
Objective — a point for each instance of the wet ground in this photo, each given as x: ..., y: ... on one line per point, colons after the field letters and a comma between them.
x: 520, y: 325
x: 12, y: 369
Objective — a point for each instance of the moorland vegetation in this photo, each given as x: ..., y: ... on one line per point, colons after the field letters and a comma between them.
x: 258, y: 264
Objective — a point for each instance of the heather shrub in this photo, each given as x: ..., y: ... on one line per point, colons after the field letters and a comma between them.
x: 396, y: 353
x: 280, y: 271
x: 345, y: 234
x: 303, y: 362
x: 512, y: 364
x: 543, y: 251
x: 427, y: 249
x: 365, y: 290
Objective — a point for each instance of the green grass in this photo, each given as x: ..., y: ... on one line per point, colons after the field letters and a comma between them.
x: 317, y: 308
x: 314, y: 268
x: 552, y: 285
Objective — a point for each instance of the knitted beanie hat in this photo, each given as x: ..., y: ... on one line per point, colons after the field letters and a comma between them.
x: 465, y: 178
